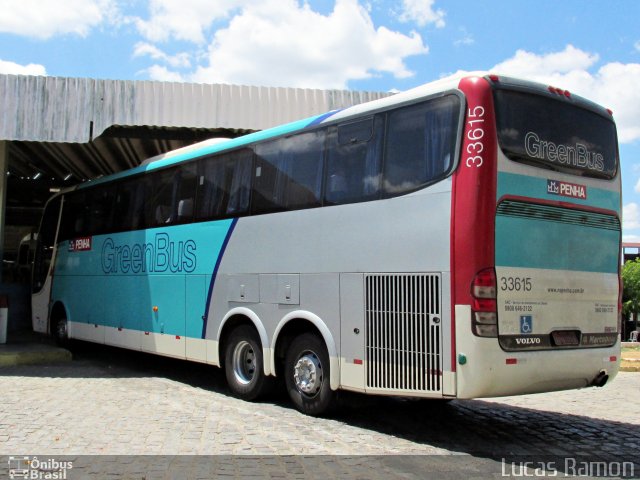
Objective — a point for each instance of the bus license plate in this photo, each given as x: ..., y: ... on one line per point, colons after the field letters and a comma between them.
x: 565, y: 338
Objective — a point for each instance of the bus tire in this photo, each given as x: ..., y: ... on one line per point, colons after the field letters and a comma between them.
x: 244, y: 364
x: 307, y: 375
x: 60, y: 331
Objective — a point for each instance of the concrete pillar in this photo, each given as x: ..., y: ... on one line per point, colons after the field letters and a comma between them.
x: 4, y: 166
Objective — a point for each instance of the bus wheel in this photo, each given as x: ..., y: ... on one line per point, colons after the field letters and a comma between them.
x: 244, y: 364
x: 307, y: 375
x: 60, y: 332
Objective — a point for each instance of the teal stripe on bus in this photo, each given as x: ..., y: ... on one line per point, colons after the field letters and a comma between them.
x: 536, y: 187
x: 182, y: 258
x: 533, y: 243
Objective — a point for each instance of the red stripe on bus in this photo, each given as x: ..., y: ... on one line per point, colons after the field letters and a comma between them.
x: 473, y: 199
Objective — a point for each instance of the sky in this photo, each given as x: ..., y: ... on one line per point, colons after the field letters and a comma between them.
x: 591, y: 48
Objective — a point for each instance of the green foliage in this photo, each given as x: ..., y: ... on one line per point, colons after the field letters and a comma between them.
x: 631, y: 289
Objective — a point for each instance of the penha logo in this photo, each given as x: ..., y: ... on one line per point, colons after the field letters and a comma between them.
x: 82, y: 244
x: 566, y: 189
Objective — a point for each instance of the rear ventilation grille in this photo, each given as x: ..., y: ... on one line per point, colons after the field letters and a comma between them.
x: 550, y: 213
x: 403, y: 332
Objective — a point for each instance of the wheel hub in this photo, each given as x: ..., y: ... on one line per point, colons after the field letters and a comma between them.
x: 307, y: 373
x: 244, y: 362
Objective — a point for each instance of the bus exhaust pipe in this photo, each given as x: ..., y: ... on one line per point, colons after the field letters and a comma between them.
x: 600, y: 380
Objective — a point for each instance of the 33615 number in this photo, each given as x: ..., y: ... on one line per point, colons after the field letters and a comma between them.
x: 475, y: 133
x: 516, y: 284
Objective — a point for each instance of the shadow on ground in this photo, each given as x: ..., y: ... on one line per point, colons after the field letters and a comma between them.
x: 481, y: 429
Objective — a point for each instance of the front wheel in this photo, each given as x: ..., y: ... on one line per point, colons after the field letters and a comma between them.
x: 60, y: 332
x: 244, y: 364
x: 307, y: 375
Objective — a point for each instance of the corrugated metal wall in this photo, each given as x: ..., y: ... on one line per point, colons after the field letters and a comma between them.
x: 53, y: 109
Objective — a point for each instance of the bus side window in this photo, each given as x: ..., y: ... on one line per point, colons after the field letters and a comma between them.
x: 224, y: 185
x: 99, y: 211
x: 129, y: 212
x: 45, y: 244
x: 420, y: 144
x: 73, y: 216
x: 353, y: 162
x: 240, y: 182
x: 212, y: 198
x: 186, y: 194
x: 288, y: 173
x: 161, y: 202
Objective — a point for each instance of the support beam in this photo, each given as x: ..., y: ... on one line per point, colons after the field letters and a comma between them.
x: 4, y: 165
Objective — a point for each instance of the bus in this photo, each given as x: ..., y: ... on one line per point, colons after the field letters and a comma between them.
x: 458, y: 240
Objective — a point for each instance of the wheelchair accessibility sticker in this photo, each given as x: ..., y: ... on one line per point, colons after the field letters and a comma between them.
x: 526, y: 324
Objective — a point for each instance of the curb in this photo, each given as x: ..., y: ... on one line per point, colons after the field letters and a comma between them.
x: 629, y: 369
x: 34, y: 357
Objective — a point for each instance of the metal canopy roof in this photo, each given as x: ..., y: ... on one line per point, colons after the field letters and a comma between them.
x: 81, y: 128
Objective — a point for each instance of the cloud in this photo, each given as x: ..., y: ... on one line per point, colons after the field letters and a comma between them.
x: 528, y: 64
x: 282, y: 43
x: 162, y: 74
x: 16, y: 69
x: 186, y: 20
x: 180, y: 60
x: 637, y: 45
x: 637, y: 187
x: 466, y: 39
x: 613, y: 85
x: 42, y: 19
x: 630, y: 216
x: 422, y: 13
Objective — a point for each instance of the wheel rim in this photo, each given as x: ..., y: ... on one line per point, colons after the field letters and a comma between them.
x: 61, y: 329
x: 244, y: 362
x: 307, y: 374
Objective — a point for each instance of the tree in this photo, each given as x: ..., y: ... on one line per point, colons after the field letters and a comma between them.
x: 631, y: 289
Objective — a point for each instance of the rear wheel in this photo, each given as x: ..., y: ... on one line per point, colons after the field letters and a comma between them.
x: 244, y: 364
x: 307, y: 375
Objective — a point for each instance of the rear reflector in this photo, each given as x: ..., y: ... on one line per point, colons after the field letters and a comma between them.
x: 357, y: 361
x: 511, y: 361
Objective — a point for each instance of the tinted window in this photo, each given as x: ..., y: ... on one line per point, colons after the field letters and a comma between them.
x: 73, y: 222
x: 45, y: 244
x: 353, y: 161
x: 288, y: 173
x: 224, y: 185
x: 555, y: 134
x: 420, y: 143
x: 173, y: 195
x: 131, y: 208
x: 187, y: 179
x: 99, y: 210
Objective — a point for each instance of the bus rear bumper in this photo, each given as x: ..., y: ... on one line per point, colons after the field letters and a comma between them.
x: 489, y: 371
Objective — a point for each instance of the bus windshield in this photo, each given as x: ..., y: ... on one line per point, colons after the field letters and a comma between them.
x: 554, y: 134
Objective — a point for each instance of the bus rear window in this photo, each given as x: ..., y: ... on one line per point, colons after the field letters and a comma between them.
x: 554, y: 134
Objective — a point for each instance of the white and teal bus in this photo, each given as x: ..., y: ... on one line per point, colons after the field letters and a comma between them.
x: 458, y: 240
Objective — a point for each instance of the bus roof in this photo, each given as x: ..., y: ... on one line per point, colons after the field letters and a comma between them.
x: 214, y: 145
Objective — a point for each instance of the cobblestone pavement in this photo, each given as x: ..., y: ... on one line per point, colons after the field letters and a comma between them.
x: 114, y: 402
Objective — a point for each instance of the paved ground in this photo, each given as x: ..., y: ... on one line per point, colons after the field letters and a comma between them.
x: 113, y: 402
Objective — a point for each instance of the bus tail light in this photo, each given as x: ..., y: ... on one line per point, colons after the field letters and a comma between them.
x: 484, y: 320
